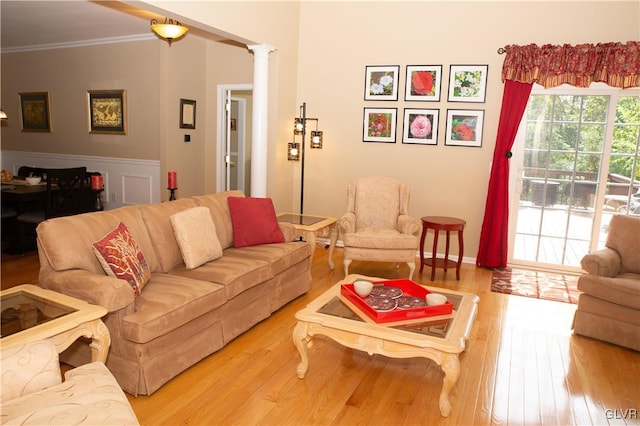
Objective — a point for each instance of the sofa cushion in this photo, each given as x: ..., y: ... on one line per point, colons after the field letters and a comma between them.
x: 168, y: 302
x: 29, y: 368
x: 66, y: 241
x: 156, y: 218
x: 196, y: 235
x: 121, y: 257
x: 379, y: 238
x: 254, y: 221
x: 623, y: 289
x: 279, y: 256
x: 219, y: 207
x: 623, y: 238
x: 235, y: 273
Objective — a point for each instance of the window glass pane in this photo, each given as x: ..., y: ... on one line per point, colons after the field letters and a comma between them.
x: 591, y: 137
x: 567, y: 108
x: 595, y: 109
x: 538, y: 135
x: 540, y: 108
x: 565, y: 136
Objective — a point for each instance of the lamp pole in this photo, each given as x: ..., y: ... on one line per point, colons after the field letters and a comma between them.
x: 303, y: 120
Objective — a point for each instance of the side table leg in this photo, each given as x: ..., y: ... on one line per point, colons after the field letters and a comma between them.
x: 451, y: 368
x: 461, y: 247
x: 100, y: 341
x: 434, y: 259
x: 422, y: 238
x: 300, y: 339
x: 333, y: 238
x: 446, y: 253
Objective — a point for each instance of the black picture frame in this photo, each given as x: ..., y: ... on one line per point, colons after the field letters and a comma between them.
x: 107, y: 111
x: 35, y: 112
x: 187, y: 114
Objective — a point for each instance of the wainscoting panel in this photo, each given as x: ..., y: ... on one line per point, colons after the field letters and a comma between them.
x: 126, y: 181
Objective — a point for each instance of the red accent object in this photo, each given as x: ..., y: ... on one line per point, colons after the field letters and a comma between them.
x: 422, y: 82
x: 409, y: 288
x: 173, y: 180
x: 254, y: 221
x: 97, y: 182
x: 441, y: 223
x: 493, y: 248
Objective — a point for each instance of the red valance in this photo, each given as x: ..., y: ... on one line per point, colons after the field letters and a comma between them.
x: 615, y: 64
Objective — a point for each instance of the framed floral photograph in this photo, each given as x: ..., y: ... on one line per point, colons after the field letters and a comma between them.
x: 420, y: 126
x: 464, y: 127
x: 35, y: 112
x: 107, y: 111
x: 380, y: 125
x: 381, y: 83
x: 423, y: 83
x: 468, y: 83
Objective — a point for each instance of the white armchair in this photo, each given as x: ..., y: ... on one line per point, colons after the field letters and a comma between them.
x: 376, y: 226
x: 33, y: 392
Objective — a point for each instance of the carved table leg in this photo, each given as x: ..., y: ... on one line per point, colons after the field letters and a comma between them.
x: 300, y: 339
x: 451, y: 368
x: 333, y: 238
x: 100, y: 341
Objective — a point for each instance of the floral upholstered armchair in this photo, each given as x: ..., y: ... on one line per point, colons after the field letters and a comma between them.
x: 377, y: 227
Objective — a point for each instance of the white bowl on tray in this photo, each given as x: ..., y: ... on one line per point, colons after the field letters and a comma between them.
x: 363, y: 288
x: 33, y: 180
x: 434, y: 299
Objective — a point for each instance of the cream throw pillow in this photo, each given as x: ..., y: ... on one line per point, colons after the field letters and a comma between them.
x: 196, y: 235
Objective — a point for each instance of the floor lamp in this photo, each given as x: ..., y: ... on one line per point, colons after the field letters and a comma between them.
x: 296, y: 150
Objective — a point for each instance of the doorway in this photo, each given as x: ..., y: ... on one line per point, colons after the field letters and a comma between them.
x: 235, y: 105
x: 575, y: 164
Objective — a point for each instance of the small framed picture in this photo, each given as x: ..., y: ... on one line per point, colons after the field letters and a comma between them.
x: 35, y: 112
x: 420, y: 126
x: 423, y: 83
x: 464, y: 127
x: 380, y: 125
x: 468, y: 83
x: 381, y: 83
x: 187, y: 114
x: 107, y: 111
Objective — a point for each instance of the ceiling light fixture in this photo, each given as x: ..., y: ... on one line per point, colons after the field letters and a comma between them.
x: 169, y: 30
x: 3, y: 115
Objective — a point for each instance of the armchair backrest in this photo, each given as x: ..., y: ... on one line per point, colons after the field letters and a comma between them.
x: 377, y: 201
x: 623, y: 238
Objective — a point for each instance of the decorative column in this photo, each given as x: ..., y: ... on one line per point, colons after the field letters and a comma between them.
x: 260, y: 117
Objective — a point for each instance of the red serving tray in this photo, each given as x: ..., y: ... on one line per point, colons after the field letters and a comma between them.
x: 409, y: 288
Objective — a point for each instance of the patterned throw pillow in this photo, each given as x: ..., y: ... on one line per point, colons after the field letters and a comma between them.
x: 121, y: 258
x: 196, y: 235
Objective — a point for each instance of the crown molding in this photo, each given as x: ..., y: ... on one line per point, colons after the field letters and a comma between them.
x: 81, y: 43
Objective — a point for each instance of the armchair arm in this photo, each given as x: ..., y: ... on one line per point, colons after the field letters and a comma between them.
x: 111, y: 293
x: 347, y: 223
x: 408, y: 225
x: 605, y: 262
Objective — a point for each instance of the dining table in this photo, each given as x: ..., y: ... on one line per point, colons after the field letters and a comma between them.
x: 22, y: 196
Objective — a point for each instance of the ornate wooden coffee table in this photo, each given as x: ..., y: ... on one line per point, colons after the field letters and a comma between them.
x: 440, y: 339
x: 32, y: 313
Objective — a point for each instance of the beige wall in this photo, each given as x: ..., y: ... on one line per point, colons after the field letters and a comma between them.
x: 337, y: 41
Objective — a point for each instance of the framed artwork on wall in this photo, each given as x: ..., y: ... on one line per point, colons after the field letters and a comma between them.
x: 464, y: 127
x: 381, y: 82
x: 380, y: 125
x: 187, y: 114
x: 107, y: 111
x: 420, y: 126
x: 35, y: 112
x: 468, y: 83
x: 423, y: 83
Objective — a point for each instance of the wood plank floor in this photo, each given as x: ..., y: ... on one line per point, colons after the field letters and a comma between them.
x: 522, y: 366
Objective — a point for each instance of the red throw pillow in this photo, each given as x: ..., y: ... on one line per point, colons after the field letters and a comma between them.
x: 254, y: 221
x: 121, y: 257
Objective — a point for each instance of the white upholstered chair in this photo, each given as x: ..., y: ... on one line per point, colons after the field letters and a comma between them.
x: 377, y: 227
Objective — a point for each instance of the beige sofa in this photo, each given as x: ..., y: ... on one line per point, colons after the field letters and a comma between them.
x: 33, y: 392
x: 181, y: 315
x: 609, y: 306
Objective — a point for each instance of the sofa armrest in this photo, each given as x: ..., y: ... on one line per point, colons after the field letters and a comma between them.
x: 408, y: 225
x: 111, y: 293
x: 347, y: 223
x: 605, y: 262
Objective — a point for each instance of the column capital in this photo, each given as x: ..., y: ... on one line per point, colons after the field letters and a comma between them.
x: 261, y: 48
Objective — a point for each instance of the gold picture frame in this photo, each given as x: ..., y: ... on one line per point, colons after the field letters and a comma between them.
x: 107, y: 111
x: 35, y: 111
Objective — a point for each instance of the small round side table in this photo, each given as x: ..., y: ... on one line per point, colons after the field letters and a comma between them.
x: 441, y: 223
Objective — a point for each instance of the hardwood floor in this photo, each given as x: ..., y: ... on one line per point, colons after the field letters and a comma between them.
x: 522, y: 366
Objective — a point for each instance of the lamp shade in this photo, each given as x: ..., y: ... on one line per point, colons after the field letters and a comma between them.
x: 3, y: 115
x: 169, y: 30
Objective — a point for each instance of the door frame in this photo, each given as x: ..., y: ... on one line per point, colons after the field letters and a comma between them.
x: 220, y: 129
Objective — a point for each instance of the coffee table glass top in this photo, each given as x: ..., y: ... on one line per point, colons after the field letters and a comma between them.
x: 300, y: 219
x: 430, y: 326
x: 23, y: 310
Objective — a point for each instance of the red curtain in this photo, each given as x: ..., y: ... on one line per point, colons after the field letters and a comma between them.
x: 615, y: 64
x: 494, y: 236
